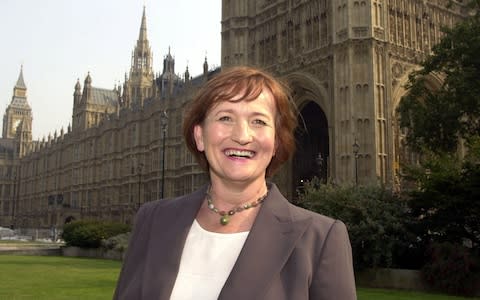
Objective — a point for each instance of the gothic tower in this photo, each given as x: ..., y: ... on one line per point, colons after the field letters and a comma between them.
x: 140, y: 85
x: 347, y: 63
x: 92, y: 105
x: 17, y: 121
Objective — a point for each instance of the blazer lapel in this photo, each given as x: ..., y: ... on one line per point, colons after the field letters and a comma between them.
x: 267, y: 248
x: 167, y: 238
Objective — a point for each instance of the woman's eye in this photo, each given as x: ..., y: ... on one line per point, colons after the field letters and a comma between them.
x: 224, y: 118
x: 259, y: 122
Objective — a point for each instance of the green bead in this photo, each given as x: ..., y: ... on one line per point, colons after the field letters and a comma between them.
x: 224, y: 220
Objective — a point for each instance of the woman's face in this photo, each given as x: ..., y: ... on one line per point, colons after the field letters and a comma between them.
x: 238, y: 138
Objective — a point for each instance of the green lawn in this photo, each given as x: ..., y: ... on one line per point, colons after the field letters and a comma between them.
x: 52, y: 277
x: 55, y: 278
x: 378, y: 294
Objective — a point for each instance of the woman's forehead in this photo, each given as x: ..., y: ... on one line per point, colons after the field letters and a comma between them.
x: 264, y: 98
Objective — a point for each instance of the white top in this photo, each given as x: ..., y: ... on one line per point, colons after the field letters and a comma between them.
x: 207, y: 260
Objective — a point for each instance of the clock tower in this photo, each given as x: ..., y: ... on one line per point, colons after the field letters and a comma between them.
x: 17, y: 121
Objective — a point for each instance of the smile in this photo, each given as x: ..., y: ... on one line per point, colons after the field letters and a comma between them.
x: 240, y: 153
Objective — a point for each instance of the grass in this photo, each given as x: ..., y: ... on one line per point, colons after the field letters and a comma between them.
x: 52, y: 277
x: 380, y: 294
x: 55, y: 278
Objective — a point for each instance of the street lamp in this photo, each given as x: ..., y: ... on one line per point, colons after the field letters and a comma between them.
x: 164, y: 123
x: 319, y: 161
x: 356, y: 148
x: 14, y: 202
x: 139, y: 170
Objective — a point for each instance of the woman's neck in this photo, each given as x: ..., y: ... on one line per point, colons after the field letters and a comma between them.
x: 227, y: 195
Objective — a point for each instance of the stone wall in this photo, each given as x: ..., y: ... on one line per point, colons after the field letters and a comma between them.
x: 92, y: 253
x: 399, y: 279
x: 391, y: 278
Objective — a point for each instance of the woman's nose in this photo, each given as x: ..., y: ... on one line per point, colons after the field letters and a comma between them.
x: 242, y: 133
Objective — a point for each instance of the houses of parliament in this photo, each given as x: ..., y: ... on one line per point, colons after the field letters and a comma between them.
x: 346, y: 61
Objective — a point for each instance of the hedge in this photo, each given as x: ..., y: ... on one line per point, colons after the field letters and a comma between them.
x: 90, y: 233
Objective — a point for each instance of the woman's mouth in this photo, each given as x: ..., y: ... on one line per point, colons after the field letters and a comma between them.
x: 239, y: 153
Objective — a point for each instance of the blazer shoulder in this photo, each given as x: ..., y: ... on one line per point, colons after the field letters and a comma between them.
x: 162, y: 206
x: 299, y: 213
x: 320, y: 225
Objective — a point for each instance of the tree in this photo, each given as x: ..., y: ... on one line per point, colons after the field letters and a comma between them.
x: 446, y: 207
x: 436, y: 119
x: 374, y: 216
x: 445, y: 214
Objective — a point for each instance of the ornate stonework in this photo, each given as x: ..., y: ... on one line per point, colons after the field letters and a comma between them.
x: 347, y: 63
x: 119, y: 153
x: 360, y: 51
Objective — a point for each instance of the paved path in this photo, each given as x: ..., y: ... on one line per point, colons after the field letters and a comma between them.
x: 30, y: 248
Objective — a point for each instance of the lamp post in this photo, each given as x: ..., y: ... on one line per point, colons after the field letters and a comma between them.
x: 319, y: 161
x: 356, y: 148
x: 139, y: 170
x: 14, y: 202
x: 164, y: 123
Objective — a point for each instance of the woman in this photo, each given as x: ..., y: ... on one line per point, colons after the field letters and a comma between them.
x: 237, y: 237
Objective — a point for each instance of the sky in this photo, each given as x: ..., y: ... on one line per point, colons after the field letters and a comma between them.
x: 60, y: 41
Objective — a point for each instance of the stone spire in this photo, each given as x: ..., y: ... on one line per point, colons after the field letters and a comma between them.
x: 142, y: 54
x: 187, y: 75
x: 20, y: 82
x: 143, y: 28
x: 205, y: 67
x: 18, y: 111
x: 141, y: 72
x: 20, y: 92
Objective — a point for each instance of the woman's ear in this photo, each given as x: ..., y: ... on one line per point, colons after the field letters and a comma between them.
x: 198, y: 135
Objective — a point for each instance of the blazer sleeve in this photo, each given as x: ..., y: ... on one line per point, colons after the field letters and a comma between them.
x: 126, y: 284
x: 333, y: 276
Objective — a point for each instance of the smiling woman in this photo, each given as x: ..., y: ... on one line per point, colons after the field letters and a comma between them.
x: 238, y: 140
x: 240, y: 127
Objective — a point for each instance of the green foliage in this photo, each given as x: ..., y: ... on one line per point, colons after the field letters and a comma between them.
x: 436, y: 118
x: 118, y: 243
x: 452, y: 268
x: 446, y: 207
x: 89, y: 234
x: 374, y: 216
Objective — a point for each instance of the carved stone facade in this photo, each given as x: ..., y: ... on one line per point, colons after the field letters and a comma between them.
x: 115, y: 156
x: 16, y: 142
x: 348, y: 61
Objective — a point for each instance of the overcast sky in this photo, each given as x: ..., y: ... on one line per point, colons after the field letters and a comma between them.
x: 58, y: 41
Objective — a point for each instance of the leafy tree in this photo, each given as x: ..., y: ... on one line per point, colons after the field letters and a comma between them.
x: 446, y: 207
x: 438, y: 118
x: 374, y: 216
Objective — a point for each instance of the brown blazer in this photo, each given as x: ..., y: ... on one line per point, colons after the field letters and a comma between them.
x: 290, y: 253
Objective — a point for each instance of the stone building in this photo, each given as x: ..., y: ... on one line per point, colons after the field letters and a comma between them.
x: 124, y: 148
x: 16, y: 141
x: 345, y: 60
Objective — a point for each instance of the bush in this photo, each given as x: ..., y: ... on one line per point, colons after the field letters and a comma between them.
x: 452, y: 268
x: 89, y: 234
x: 446, y: 205
x: 375, y: 218
x: 118, y: 243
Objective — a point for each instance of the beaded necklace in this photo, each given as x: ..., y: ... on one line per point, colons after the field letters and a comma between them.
x: 225, y: 215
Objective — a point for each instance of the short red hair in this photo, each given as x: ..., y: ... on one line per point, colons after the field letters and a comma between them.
x: 249, y: 83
